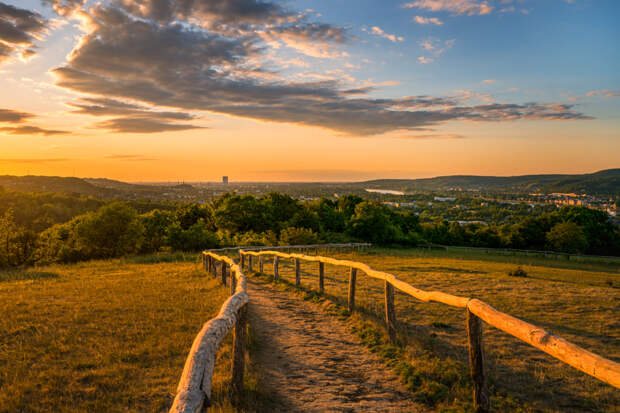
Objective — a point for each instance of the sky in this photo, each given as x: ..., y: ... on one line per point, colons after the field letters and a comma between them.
x: 322, y: 90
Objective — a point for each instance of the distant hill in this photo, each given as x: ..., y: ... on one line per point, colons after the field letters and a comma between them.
x: 96, y: 187
x: 602, y: 183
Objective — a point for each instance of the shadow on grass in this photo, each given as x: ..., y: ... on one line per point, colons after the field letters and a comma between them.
x: 24, y: 275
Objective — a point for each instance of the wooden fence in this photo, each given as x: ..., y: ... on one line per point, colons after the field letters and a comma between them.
x: 194, y: 390
x: 603, y: 369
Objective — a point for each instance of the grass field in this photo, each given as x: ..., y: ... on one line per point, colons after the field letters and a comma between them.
x: 580, y: 302
x: 112, y: 336
x: 105, y: 336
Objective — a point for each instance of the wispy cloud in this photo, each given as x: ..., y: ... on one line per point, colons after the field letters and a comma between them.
x: 489, y: 81
x: 427, y: 20
x: 468, y: 7
x: 130, y: 158
x: 34, y: 160
x: 141, y: 125
x: 13, y: 116
x: 31, y: 130
x: 377, y: 31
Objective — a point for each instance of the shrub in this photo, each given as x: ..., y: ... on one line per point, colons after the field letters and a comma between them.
x: 298, y: 236
x: 519, y: 272
x: 195, y: 238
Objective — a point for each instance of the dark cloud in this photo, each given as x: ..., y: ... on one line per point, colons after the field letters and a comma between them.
x: 19, y: 28
x: 13, y: 116
x: 111, y: 107
x: 141, y: 125
x: 180, y: 66
x: 31, y: 130
x: 225, y: 11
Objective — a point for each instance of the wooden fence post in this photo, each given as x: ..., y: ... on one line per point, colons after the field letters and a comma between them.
x: 250, y: 263
x: 276, y: 261
x: 204, y: 262
x: 352, y: 277
x: 233, y: 283
x: 390, y: 315
x: 297, y: 273
x: 321, y: 277
x: 223, y: 273
x: 242, y: 260
x: 213, y: 266
x: 261, y: 263
x: 476, y: 363
x: 238, y: 357
x: 208, y: 263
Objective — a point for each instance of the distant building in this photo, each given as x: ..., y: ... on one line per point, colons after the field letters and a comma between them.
x: 225, y: 180
x: 444, y: 198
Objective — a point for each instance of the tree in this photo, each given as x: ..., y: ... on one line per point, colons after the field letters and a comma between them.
x: 155, y: 224
x: 195, y: 238
x: 371, y: 223
x: 567, y: 237
x: 298, y: 236
x: 17, y: 244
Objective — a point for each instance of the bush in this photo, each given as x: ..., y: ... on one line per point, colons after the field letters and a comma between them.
x: 112, y: 231
x: 17, y: 244
x: 195, y: 238
x: 298, y: 236
x: 519, y: 272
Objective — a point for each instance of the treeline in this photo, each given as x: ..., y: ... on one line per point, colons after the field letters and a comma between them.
x: 108, y: 230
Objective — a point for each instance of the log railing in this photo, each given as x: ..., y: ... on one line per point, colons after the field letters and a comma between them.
x: 194, y: 389
x: 596, y: 366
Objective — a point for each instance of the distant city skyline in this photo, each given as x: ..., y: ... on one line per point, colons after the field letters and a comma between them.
x: 308, y: 90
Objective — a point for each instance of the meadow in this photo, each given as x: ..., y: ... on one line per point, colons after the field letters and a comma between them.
x: 105, y: 336
x: 111, y: 336
x: 579, y: 302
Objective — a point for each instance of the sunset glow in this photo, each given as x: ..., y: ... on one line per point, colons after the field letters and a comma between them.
x: 303, y: 91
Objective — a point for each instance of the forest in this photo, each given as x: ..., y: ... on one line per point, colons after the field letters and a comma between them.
x: 42, y: 228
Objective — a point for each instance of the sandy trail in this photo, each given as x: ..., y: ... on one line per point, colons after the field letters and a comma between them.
x: 312, y: 363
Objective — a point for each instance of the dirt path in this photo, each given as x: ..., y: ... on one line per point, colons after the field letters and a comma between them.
x: 312, y: 363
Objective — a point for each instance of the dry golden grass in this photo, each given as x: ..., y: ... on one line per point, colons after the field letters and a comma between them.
x: 577, y: 302
x: 105, y: 336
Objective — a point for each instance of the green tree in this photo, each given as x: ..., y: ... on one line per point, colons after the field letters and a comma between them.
x: 371, y: 222
x: 298, y: 236
x: 17, y: 244
x: 567, y: 237
x: 155, y: 224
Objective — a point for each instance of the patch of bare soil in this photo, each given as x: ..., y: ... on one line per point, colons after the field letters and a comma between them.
x: 312, y: 363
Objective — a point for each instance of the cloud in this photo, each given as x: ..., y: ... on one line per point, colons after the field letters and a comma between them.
x: 141, y: 125
x: 468, y: 7
x: 489, y: 81
x: 131, y: 158
x: 311, y: 39
x: 435, y: 47
x: 34, y: 160
x: 19, y: 28
x: 220, y: 11
x: 65, y: 7
x: 391, y: 37
x: 434, y: 136
x: 606, y: 93
x: 31, y: 130
x: 129, y: 65
x: 427, y: 20
x: 13, y: 116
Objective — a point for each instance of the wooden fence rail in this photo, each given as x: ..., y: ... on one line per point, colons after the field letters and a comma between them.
x: 603, y: 369
x: 194, y: 389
